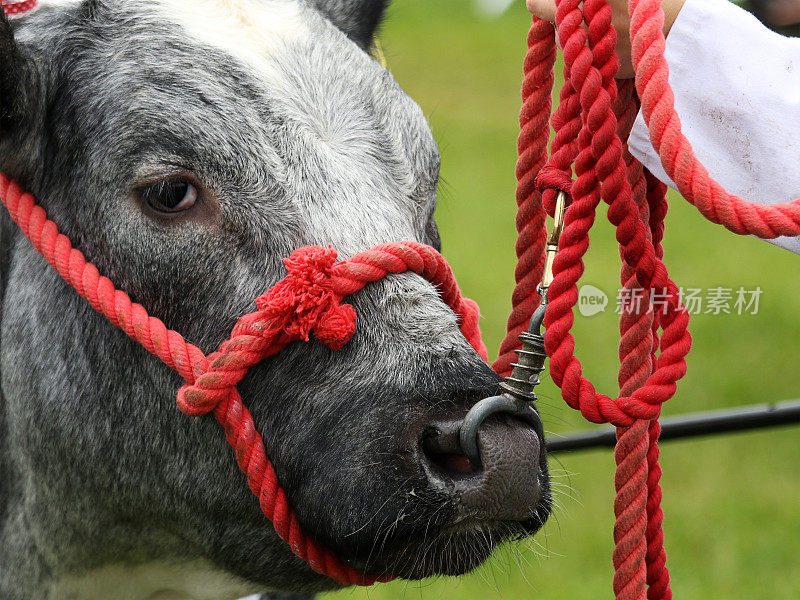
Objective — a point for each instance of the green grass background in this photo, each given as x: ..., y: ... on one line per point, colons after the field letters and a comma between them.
x: 732, y: 503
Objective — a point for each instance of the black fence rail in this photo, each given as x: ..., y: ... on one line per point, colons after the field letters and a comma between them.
x: 691, y: 425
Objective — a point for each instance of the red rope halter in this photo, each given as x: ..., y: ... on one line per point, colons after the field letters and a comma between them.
x: 591, y: 124
x: 308, y: 300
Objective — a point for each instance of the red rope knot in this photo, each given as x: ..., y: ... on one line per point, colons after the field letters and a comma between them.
x: 301, y: 303
x: 551, y: 180
x: 304, y: 300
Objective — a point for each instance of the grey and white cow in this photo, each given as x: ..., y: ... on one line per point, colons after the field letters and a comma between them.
x: 186, y: 146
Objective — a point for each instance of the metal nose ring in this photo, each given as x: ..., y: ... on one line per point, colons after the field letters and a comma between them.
x: 518, y: 396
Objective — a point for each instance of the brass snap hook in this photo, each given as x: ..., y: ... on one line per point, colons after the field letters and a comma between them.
x: 552, y: 245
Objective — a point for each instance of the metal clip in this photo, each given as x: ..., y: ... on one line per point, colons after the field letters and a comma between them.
x: 552, y: 245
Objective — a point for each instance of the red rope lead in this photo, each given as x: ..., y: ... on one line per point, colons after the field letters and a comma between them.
x: 307, y: 301
x: 591, y: 125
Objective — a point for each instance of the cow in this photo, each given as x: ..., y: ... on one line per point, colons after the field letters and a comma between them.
x: 186, y: 147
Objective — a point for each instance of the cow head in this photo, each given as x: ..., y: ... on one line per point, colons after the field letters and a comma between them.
x: 186, y: 148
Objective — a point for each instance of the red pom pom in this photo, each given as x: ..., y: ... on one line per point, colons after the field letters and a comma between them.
x: 303, y: 302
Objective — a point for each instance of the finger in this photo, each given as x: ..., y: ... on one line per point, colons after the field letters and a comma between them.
x: 544, y: 9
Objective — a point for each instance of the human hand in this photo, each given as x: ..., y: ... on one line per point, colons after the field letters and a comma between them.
x: 546, y: 9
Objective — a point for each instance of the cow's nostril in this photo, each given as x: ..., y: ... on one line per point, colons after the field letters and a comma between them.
x: 452, y: 463
x: 442, y: 450
x: 508, y: 484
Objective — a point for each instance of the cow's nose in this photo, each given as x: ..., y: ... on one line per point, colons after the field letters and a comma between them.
x: 507, y: 485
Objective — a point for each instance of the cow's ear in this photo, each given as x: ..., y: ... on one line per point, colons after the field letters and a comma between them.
x: 359, y: 19
x: 11, y: 77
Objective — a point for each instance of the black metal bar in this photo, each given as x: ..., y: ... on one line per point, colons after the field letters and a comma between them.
x: 698, y: 424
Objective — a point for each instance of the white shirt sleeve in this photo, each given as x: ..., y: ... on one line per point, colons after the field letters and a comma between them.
x: 737, y: 92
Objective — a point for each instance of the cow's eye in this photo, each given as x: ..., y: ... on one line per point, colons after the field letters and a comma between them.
x: 170, y: 196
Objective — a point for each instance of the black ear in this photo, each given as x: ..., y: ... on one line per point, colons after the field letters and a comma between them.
x: 11, y: 76
x: 357, y: 18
